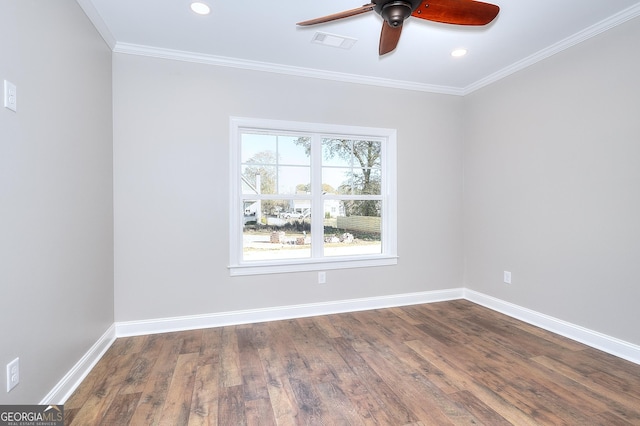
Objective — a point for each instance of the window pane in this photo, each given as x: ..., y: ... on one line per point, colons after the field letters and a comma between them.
x: 337, y: 152
x: 351, y: 153
x: 351, y: 167
x: 293, y: 150
x: 366, y: 181
x: 276, y: 230
x: 258, y: 149
x: 352, y: 227
x: 367, y: 153
x: 259, y: 179
x: 294, y: 180
x: 275, y: 164
x: 336, y: 180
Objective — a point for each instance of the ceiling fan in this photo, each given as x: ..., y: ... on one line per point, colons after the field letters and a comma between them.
x: 394, y: 13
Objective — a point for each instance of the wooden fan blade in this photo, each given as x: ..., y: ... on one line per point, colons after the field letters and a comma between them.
x: 339, y: 15
x: 389, y: 38
x: 459, y: 12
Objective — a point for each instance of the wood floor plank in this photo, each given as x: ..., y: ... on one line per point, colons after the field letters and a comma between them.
x: 122, y: 408
x: 259, y: 412
x: 256, y: 395
x: 130, y: 345
x: 463, y: 381
x: 501, y: 375
x: 111, y: 361
x: 103, y: 391
x: 404, y: 314
x: 311, y: 342
x: 389, y: 404
x: 623, y: 404
x: 342, y: 390
x: 481, y: 411
x: 229, y: 359
x: 608, y: 418
x: 399, y: 371
x: 341, y: 409
x: 191, y: 341
x: 204, y: 402
x: 400, y: 332
x: 325, y: 324
x: 311, y: 407
x: 143, y: 365
x: 231, y: 410
x: 435, y: 364
x: 280, y: 392
x: 253, y: 381
x: 177, y: 404
x: 158, y: 382
x: 211, y: 346
x: 534, y: 385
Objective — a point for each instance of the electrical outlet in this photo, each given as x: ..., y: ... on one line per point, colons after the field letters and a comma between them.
x: 507, y: 277
x: 13, y: 374
x: 10, y: 96
x: 322, y: 277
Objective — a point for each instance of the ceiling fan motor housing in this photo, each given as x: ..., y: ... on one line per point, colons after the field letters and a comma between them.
x: 396, y: 11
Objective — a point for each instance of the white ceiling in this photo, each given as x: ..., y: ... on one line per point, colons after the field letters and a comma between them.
x: 262, y: 35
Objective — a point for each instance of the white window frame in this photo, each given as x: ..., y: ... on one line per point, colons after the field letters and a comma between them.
x: 388, y: 255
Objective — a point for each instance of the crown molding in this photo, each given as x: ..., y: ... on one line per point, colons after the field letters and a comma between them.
x: 97, y: 21
x: 179, y: 55
x: 568, y: 42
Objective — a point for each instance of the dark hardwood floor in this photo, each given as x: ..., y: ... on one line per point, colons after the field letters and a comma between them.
x: 434, y: 364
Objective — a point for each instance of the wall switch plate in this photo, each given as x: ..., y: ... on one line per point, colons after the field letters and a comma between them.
x: 322, y: 277
x: 507, y: 277
x: 10, y: 96
x: 13, y: 374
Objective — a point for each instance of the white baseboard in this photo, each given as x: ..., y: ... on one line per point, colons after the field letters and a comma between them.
x: 65, y: 387
x: 611, y: 345
x: 73, y: 378
x: 163, y: 325
x: 617, y: 347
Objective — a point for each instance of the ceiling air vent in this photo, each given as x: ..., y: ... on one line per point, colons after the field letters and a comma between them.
x: 333, y: 40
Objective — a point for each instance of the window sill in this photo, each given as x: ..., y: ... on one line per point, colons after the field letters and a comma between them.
x: 258, y: 268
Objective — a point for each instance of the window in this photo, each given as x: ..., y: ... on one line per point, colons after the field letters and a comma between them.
x: 310, y: 196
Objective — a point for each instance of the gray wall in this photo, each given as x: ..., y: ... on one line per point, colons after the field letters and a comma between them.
x: 56, y: 208
x: 551, y: 189
x: 171, y: 186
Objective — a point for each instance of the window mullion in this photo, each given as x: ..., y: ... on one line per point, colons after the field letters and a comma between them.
x: 317, y: 207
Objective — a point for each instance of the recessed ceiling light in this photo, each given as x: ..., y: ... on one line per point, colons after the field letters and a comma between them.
x: 200, y: 8
x: 458, y: 53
